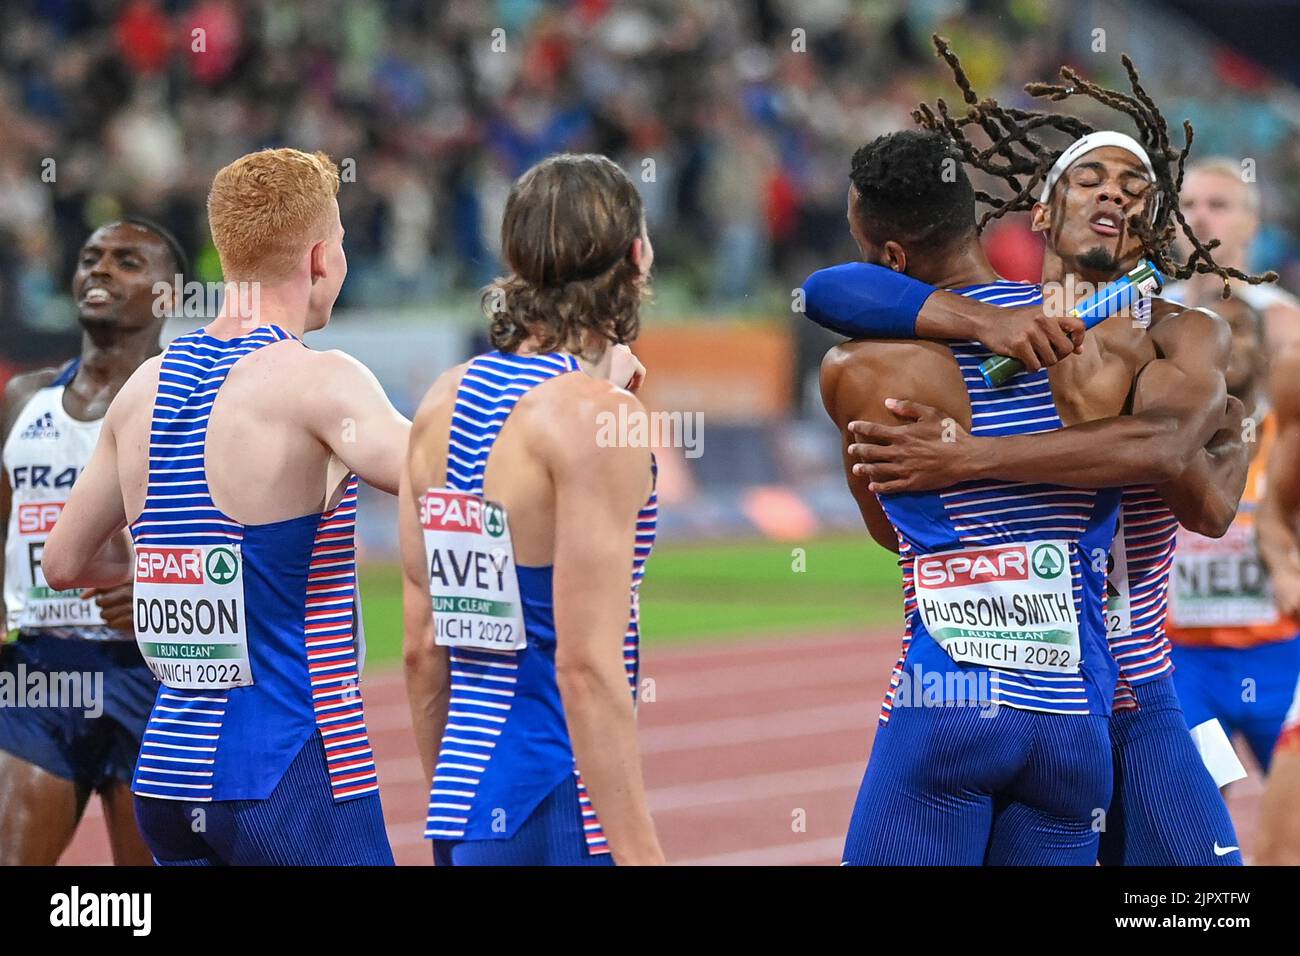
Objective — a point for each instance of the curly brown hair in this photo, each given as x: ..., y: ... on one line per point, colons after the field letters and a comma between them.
x: 567, y: 236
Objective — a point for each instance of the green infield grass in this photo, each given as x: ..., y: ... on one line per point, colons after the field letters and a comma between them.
x: 728, y: 590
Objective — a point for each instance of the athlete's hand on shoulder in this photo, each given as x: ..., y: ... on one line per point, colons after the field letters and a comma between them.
x: 625, y: 369
x: 931, y: 451
x: 115, y: 604
x: 1029, y: 334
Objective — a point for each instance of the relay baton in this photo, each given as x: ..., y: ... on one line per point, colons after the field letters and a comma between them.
x: 1111, y: 298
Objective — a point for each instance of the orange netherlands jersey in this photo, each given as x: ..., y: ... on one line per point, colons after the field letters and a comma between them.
x: 1219, y: 591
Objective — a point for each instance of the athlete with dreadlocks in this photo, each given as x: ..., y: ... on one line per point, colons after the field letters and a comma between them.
x: 1102, y: 203
x: 953, y: 770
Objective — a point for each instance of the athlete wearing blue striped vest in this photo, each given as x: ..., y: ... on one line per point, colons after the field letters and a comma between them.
x: 233, y: 459
x: 525, y: 533
x: 1166, y: 808
x: 855, y: 375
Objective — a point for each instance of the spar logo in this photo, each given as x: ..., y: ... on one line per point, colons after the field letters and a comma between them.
x: 169, y: 565
x: 1048, y: 561
x: 494, y: 519
x: 222, y: 565
x: 38, y: 517
x: 977, y: 566
x: 453, y: 511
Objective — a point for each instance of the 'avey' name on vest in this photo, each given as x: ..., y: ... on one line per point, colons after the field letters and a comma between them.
x: 189, y: 615
x: 473, y: 586
x: 446, y: 569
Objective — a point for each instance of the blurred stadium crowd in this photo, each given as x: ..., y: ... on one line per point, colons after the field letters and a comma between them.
x: 737, y: 117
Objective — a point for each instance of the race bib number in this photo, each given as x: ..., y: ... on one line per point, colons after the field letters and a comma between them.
x: 472, y: 579
x: 1220, y: 582
x: 189, y: 615
x: 1010, y: 606
x: 43, y: 606
x: 1119, y: 617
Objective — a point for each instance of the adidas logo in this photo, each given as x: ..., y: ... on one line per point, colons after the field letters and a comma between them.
x: 43, y: 427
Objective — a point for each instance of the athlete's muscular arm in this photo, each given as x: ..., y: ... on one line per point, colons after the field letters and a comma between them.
x: 598, y: 495
x: 862, y: 300
x: 1278, y: 512
x: 1182, y: 401
x: 856, y: 376
x: 346, y: 409
x: 428, y: 683
x: 841, y: 386
x: 1205, y: 496
x: 88, y: 547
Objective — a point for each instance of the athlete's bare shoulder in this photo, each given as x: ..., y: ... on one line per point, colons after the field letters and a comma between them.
x: 1175, y: 326
x: 576, y: 418
x: 577, y: 397
x: 308, y: 385
x: 883, y: 353
x: 290, y: 359
x: 857, y: 377
x: 294, y: 359
x: 19, y: 391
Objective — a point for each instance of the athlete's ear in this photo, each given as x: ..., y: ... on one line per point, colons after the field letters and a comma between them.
x: 317, y: 262
x: 1040, y: 217
x: 895, y: 257
x: 642, y: 254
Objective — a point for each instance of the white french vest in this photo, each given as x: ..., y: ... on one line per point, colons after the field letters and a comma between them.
x: 46, y: 451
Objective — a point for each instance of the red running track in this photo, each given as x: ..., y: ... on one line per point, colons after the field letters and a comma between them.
x: 753, y: 751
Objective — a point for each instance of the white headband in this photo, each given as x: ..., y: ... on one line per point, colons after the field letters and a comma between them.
x: 1086, y: 144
